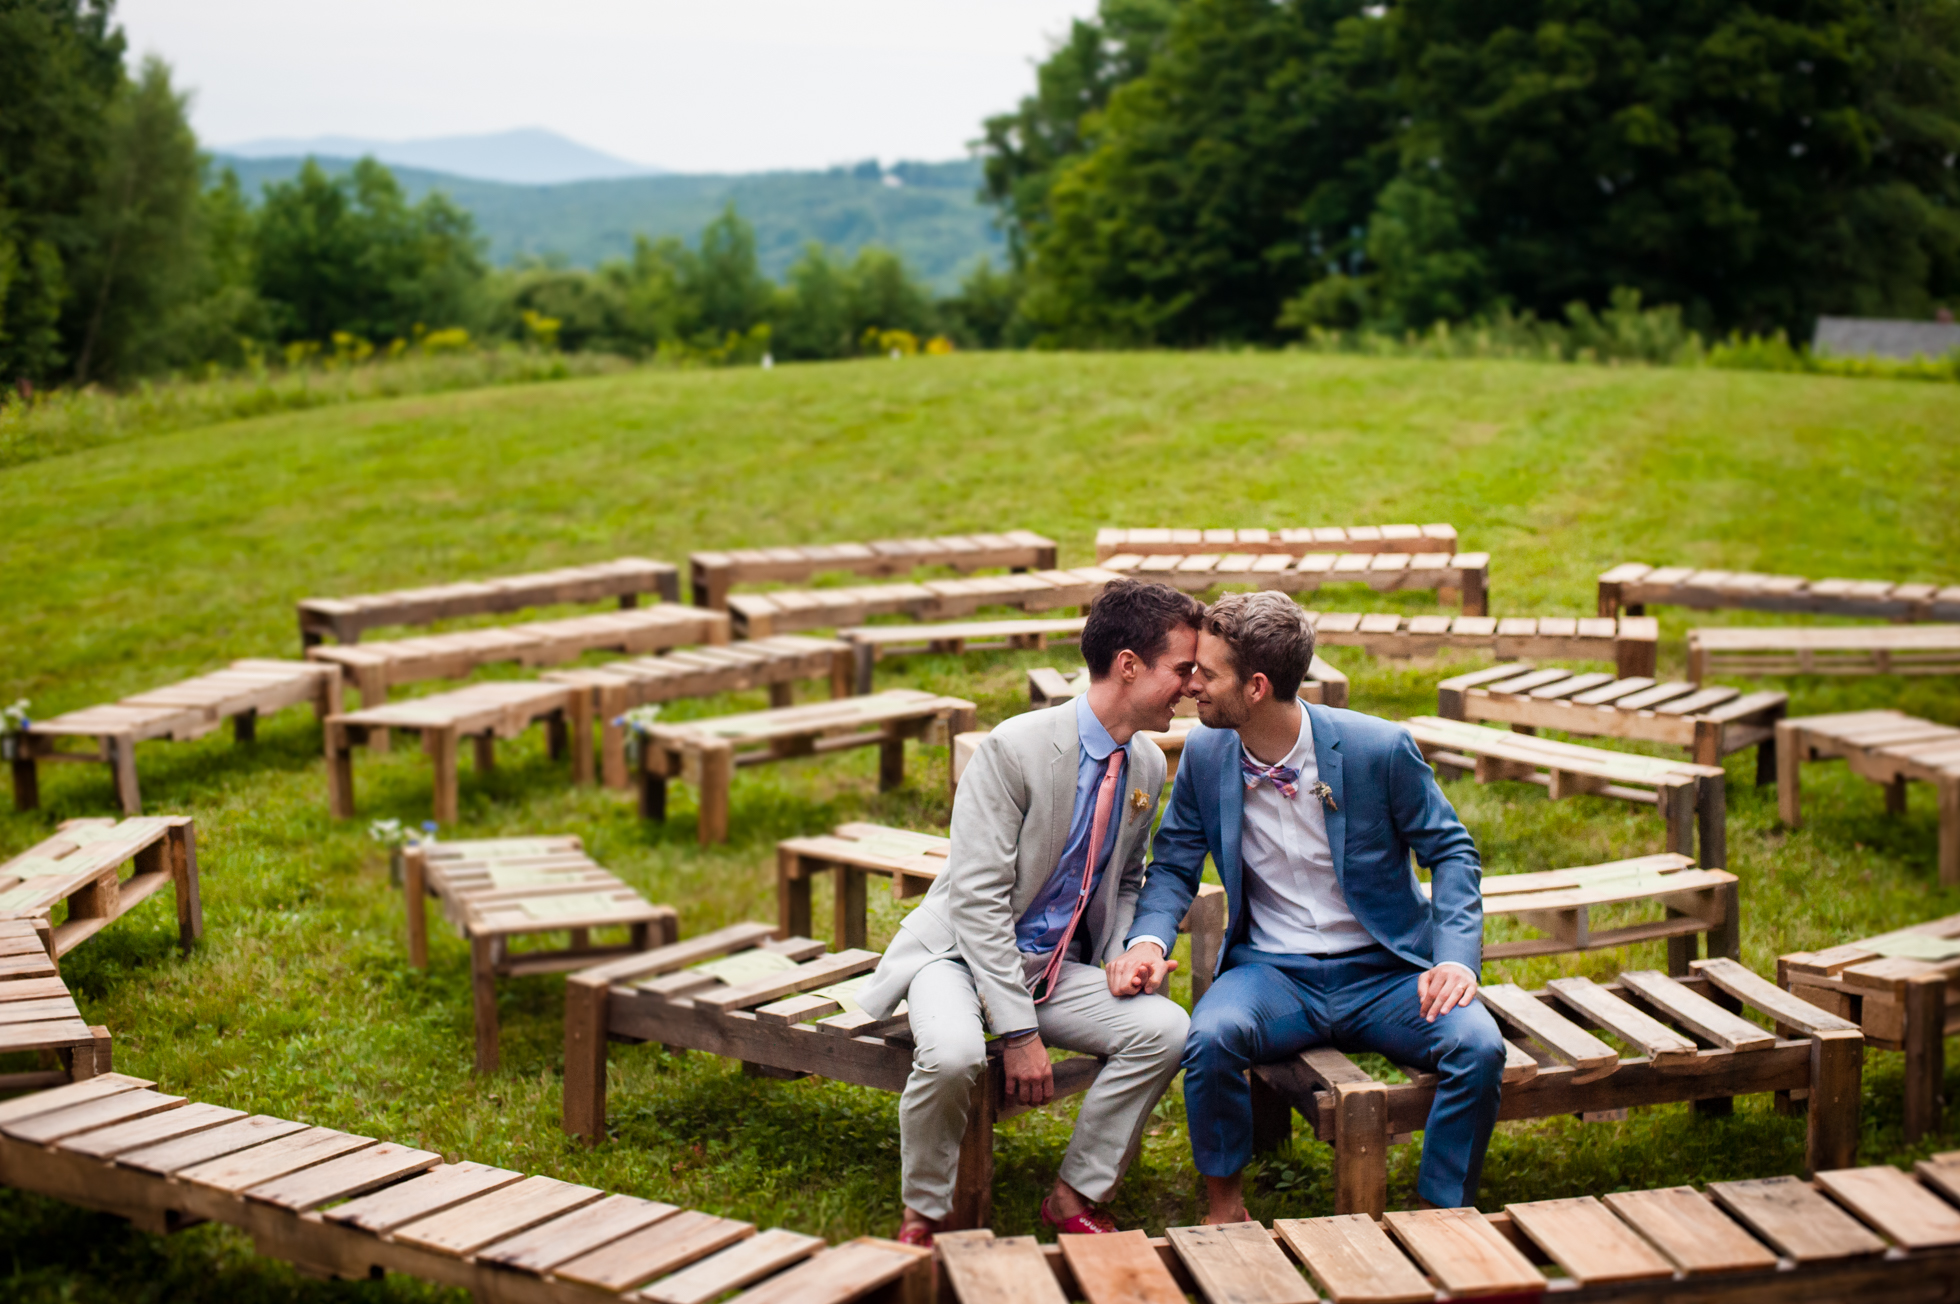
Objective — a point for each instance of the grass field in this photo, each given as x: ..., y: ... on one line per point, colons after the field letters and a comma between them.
x: 133, y: 564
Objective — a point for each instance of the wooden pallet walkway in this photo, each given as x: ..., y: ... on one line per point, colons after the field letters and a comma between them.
x: 707, y: 752
x: 498, y: 890
x: 1689, y: 1044
x: 1889, y: 748
x: 624, y: 578
x: 1457, y: 577
x: 80, y: 867
x: 760, y: 615
x: 1635, y: 586
x: 38, y: 1014
x: 1902, y: 989
x: 715, y: 573
x: 1631, y: 643
x: 1559, y: 903
x: 1838, y: 650
x: 777, y: 664
x: 1693, y: 799
x: 1292, y: 542
x: 872, y: 643
x: 338, y: 1205
x: 481, y: 712
x: 1851, y: 1233
x: 785, y: 1009
x: 376, y: 667
x: 1047, y: 686
x: 853, y: 853
x: 180, y: 712
x: 1709, y: 722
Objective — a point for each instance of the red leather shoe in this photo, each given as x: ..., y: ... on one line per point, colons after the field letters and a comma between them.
x: 1090, y: 1222
x: 915, y: 1234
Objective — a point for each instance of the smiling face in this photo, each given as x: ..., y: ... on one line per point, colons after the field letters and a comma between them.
x: 1152, y: 689
x: 1224, y: 700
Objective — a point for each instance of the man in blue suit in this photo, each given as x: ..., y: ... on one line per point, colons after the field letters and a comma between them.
x: 1311, y: 816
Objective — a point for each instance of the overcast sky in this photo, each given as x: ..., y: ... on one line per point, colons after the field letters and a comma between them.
x: 696, y: 86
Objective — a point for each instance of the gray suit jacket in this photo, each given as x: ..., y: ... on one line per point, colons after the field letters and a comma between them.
x: 1010, y: 823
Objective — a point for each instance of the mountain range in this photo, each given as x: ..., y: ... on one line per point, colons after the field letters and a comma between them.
x: 529, y: 156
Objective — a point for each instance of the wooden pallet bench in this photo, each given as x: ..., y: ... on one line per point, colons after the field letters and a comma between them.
x: 1693, y: 799
x: 624, y: 578
x: 1849, y: 1233
x: 338, y: 1205
x: 1631, y: 643
x: 1047, y: 686
x: 374, y: 668
x: 715, y: 573
x: 759, y: 615
x: 1559, y: 904
x: 481, y: 712
x: 80, y: 867
x: 1277, y: 543
x: 1839, y: 650
x: 854, y: 852
x: 1890, y: 748
x: 1903, y: 989
x: 497, y: 890
x: 1709, y: 722
x: 1463, y: 576
x: 181, y: 712
x: 777, y: 664
x: 785, y: 1009
x: 38, y: 1014
x: 872, y: 643
x: 1556, y: 1065
x: 1633, y: 587
x: 707, y: 752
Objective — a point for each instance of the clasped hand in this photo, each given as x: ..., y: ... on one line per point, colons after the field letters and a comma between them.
x: 1139, y: 971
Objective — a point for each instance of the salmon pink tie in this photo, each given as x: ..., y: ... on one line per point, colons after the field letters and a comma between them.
x: 1105, y: 801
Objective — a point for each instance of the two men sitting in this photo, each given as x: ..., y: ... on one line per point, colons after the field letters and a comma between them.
x: 1045, y: 928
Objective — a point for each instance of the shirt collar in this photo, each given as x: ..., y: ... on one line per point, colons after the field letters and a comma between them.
x: 1095, y: 739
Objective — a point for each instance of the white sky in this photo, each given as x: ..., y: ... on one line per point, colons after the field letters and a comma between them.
x: 700, y: 86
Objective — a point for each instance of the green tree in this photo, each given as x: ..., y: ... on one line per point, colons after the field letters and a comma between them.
x: 986, y: 313
x: 723, y: 282
x: 813, y: 317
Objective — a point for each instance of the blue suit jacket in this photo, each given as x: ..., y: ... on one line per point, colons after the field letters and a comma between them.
x: 1386, y: 804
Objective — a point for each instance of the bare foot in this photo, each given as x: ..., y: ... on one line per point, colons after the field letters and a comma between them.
x: 1226, y: 1197
x: 1066, y: 1201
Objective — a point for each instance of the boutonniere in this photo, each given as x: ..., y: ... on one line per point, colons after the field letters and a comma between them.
x: 1139, y: 800
x: 1325, y: 793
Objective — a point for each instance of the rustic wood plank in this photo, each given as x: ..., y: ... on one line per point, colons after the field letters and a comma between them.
x: 985, y: 1269
x: 1761, y: 994
x: 1696, y: 1237
x: 1895, y: 1204
x: 419, y: 1197
x: 502, y: 1213
x: 1583, y: 1237
x: 1462, y: 1251
x: 349, y: 1175
x: 184, y: 1151
x: 1590, y: 1058
x: 277, y: 1158
x: 1119, y: 1268
x: 108, y: 1142
x: 837, y: 1276
x: 1696, y: 1012
x: 666, y: 1245
x: 741, y: 1264
x: 1237, y: 1263
x: 106, y: 1111
x: 817, y: 973
x: 1354, y: 1261
x: 577, y: 1233
x: 1660, y: 1043
x: 1795, y: 1219
x: 66, y: 1097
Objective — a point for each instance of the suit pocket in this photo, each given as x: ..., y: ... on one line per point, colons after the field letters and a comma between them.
x: 930, y: 930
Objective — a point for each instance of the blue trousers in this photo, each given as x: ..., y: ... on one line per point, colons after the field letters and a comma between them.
x: 1265, y: 1007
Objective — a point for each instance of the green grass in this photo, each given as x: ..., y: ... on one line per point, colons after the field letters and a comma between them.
x: 129, y: 565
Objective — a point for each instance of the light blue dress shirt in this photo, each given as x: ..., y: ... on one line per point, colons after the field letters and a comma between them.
x: 1040, y: 929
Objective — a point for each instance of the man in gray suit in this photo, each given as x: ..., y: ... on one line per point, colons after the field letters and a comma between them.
x: 1049, y: 831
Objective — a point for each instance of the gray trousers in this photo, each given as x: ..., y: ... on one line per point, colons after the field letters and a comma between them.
x: 1142, y: 1038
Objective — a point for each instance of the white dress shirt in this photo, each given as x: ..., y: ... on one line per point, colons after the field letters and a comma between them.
x: 1295, y: 900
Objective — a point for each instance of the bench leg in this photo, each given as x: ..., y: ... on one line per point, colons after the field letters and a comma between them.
x: 1766, y: 762
x: 1837, y: 1065
x: 340, y: 772
x: 1949, y: 859
x: 1677, y: 803
x: 1681, y: 950
x: 782, y: 694
x: 1712, y: 820
x: 1789, y: 755
x: 891, y: 762
x: 1361, y: 1148
x: 848, y: 909
x: 973, y: 1188
x: 1895, y: 796
x: 483, y: 747
x: 792, y: 895
x: 1925, y: 1054
x: 441, y: 744
x: 1272, y: 1117
x: 863, y: 657
x: 717, y: 777
x: 586, y: 1003
x: 245, y: 727
x: 183, y: 879
x: 122, y: 761
x: 27, y: 783
x: 483, y: 986
x: 415, y: 905
x: 653, y: 797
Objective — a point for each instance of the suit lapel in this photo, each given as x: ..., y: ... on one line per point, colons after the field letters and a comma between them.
x: 1065, y: 764
x: 1231, y: 818
x: 1327, y: 756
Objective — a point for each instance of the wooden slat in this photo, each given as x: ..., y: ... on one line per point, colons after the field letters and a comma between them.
x: 1696, y: 1012
x: 668, y: 1244
x: 1120, y: 1268
x: 44, y: 1129
x: 1354, y: 1261
x: 75, y: 1093
x: 502, y: 1213
x: 985, y: 1269
x: 1237, y: 1263
x: 1759, y: 993
x: 108, y: 1142
x: 1589, y: 1057
x: 1655, y: 1039
x: 1583, y: 1237
x: 745, y: 1262
x: 349, y: 1175
x: 184, y: 1151
x: 1462, y: 1251
x: 1795, y: 1219
x: 579, y: 1232
x: 1941, y: 1172
x: 419, y: 1197
x: 679, y: 955
x: 1895, y: 1204
x: 819, y: 972
x: 288, y: 1154
x: 1695, y: 1236
x: 839, y: 1275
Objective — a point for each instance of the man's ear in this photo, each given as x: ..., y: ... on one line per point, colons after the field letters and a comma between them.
x: 1259, y: 688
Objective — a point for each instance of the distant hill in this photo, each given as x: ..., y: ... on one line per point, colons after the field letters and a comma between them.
x: 926, y: 211
x: 531, y: 156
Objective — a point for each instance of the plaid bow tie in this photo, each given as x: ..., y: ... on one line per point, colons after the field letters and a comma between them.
x: 1282, y: 777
